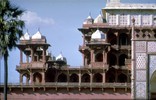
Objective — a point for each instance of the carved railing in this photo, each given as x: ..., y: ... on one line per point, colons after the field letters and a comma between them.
x: 30, y: 65
x: 99, y: 65
x: 71, y: 84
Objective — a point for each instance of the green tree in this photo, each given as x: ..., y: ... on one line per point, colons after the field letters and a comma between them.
x: 11, y: 29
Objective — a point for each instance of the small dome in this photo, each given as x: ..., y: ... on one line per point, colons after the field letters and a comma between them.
x: 89, y: 20
x: 60, y: 58
x: 37, y: 35
x: 26, y: 36
x: 98, y: 35
x: 99, y: 19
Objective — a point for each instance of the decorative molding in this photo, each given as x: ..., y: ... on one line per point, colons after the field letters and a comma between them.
x: 140, y: 46
x: 151, y: 47
x: 141, y: 59
x: 140, y: 75
x: 141, y: 90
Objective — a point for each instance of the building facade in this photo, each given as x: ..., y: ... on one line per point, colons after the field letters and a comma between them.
x: 118, y: 59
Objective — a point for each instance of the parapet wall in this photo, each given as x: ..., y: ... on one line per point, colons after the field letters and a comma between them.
x: 63, y: 94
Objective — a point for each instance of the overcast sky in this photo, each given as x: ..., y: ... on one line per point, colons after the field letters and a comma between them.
x: 59, y: 21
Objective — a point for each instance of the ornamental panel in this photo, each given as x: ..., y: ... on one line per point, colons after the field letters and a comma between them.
x: 140, y: 46
x: 140, y: 90
x: 152, y: 64
x: 141, y: 60
x: 141, y: 75
x: 151, y: 46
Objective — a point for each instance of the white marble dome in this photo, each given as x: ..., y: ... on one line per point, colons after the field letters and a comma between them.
x: 98, y: 35
x: 99, y: 19
x: 26, y: 36
x: 37, y: 35
x: 89, y: 20
x: 61, y: 58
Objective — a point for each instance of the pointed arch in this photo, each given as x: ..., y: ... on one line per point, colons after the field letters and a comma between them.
x: 97, y: 77
x: 99, y: 57
x: 37, y: 77
x: 122, y: 58
x: 74, y: 78
x: 122, y: 78
x: 62, y: 78
x: 85, y: 77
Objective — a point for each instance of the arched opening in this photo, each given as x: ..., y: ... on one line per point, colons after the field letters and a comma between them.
x: 112, y: 60
x: 122, y: 78
x: 99, y: 57
x: 110, y: 75
x: 26, y: 78
x: 62, y: 77
x: 37, y: 77
x: 153, y: 86
x: 85, y: 77
x: 50, y: 75
x: 122, y: 59
x: 97, y: 77
x: 112, y: 39
x: 123, y: 38
x: 74, y: 78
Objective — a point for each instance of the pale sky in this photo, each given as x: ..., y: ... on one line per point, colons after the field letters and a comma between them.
x: 59, y: 21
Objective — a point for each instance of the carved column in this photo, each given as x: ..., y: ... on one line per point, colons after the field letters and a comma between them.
x: 32, y: 54
x: 91, y: 78
x: 27, y: 58
x: 21, y: 56
x: 92, y: 55
x: 21, y: 78
x: 44, y: 54
x: 43, y: 77
x: 31, y: 78
x: 104, y: 77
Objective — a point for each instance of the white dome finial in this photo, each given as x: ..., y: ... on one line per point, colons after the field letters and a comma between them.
x: 37, y: 35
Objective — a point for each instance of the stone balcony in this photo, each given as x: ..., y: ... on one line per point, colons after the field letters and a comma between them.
x: 99, y: 65
x: 30, y: 65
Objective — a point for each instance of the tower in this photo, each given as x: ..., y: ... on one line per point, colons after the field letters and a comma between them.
x: 34, y: 48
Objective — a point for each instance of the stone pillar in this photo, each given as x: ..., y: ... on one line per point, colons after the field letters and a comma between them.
x: 84, y: 60
x: 92, y: 56
x: 44, y: 54
x: 21, y: 56
x: 31, y: 78
x: 91, y: 78
x: 103, y: 56
x: 133, y: 61
x: 32, y: 55
x: 104, y: 77
x: 21, y: 78
x: 27, y: 58
x: 43, y: 77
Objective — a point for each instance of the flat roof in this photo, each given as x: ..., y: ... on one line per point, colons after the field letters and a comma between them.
x: 130, y: 6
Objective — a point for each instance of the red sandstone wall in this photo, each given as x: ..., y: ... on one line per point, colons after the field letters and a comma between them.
x: 66, y: 95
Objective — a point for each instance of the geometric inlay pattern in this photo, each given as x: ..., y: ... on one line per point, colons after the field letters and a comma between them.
x: 152, y: 64
x: 151, y: 46
x: 141, y: 90
x: 141, y: 59
x: 140, y: 46
x: 141, y: 75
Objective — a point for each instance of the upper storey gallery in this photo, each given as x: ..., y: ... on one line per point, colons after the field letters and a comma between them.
x: 121, y: 14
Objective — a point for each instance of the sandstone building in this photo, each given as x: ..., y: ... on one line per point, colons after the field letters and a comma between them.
x: 118, y: 59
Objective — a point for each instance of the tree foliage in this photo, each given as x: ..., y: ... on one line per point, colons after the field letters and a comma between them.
x: 10, y: 25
